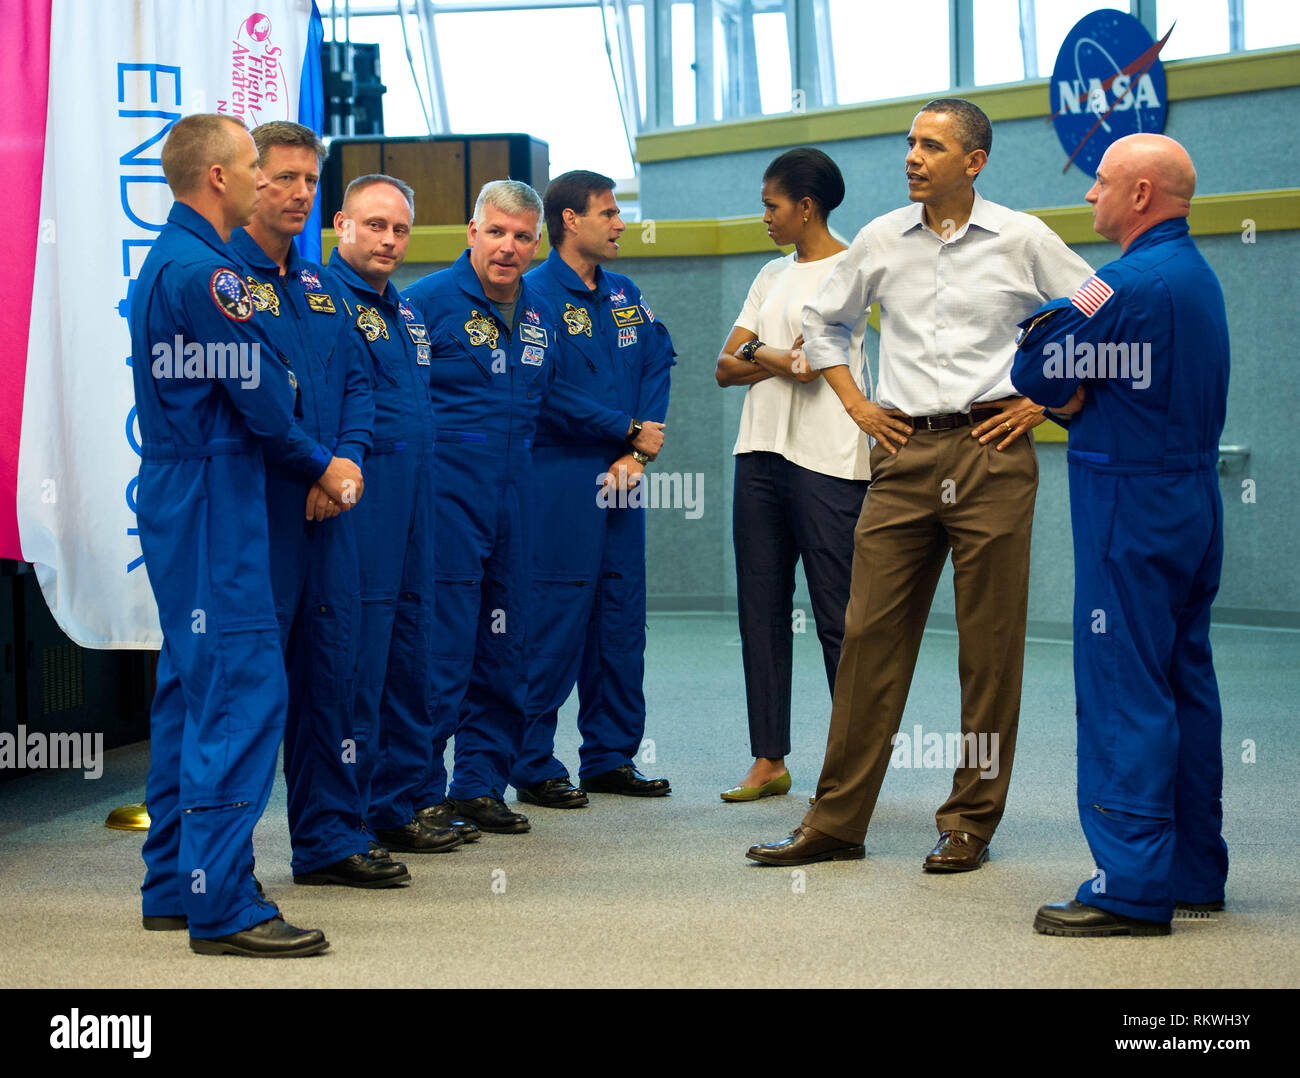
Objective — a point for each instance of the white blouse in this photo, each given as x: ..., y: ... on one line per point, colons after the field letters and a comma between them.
x: 804, y: 422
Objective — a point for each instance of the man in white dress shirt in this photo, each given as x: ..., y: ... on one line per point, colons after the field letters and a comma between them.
x: 951, y: 470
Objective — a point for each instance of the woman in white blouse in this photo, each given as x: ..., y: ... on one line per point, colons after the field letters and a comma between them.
x: 801, y: 462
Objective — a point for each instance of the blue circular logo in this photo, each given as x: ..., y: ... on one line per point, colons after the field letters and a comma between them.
x: 1108, y: 82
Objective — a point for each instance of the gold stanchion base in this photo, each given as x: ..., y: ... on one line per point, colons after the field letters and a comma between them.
x: 129, y: 818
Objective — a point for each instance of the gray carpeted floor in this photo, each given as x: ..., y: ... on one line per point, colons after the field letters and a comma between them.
x: 658, y: 892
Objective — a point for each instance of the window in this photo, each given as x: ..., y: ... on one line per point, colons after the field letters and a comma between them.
x: 889, y: 49
x: 1270, y: 23
x: 1201, y: 28
x: 574, y: 72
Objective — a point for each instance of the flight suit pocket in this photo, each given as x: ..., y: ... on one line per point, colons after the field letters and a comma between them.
x: 456, y: 601
x: 561, y: 609
x: 621, y: 603
x: 331, y: 637
x: 249, y: 677
x: 463, y: 360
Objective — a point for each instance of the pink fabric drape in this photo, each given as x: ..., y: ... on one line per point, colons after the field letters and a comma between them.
x: 25, y: 83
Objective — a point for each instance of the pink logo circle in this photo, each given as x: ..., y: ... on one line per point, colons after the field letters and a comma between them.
x: 258, y: 26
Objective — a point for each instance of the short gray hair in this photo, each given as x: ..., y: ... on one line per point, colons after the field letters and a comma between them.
x: 509, y: 196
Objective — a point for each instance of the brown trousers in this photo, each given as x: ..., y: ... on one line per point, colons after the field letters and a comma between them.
x: 942, y: 491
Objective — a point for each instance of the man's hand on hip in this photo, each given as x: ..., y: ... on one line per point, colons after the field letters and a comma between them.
x: 1016, y: 416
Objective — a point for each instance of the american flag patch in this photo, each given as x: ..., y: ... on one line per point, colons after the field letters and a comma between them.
x: 1090, y: 297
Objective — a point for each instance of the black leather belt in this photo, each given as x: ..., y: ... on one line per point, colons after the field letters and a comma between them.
x: 950, y: 420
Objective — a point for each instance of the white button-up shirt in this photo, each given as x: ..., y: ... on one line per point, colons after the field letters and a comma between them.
x: 948, y: 307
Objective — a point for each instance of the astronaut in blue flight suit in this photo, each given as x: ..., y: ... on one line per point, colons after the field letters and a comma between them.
x: 491, y: 367
x: 211, y: 393
x: 395, y: 526
x: 1137, y: 360
x: 313, y: 548
x: 589, y: 589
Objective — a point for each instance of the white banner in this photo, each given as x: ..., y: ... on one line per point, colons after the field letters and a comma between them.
x: 120, y: 74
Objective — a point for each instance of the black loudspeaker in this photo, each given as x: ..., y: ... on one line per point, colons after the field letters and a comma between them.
x: 355, y: 95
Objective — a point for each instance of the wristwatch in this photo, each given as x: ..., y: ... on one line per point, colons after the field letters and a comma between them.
x: 640, y: 457
x: 634, y: 432
x: 746, y: 351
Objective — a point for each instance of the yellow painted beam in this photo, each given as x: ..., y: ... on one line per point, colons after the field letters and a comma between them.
x: 1266, y: 69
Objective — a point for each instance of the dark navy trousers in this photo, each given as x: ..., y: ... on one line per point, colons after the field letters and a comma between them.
x: 394, y: 525
x: 318, y: 606
x: 1148, y: 552
x: 783, y: 513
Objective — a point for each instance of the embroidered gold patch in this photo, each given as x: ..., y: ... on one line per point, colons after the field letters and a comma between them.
x: 577, y: 319
x: 481, y: 330
x: 265, y: 297
x: 371, y: 323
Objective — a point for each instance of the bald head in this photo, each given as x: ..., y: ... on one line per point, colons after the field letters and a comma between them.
x: 1142, y: 180
x: 1159, y: 159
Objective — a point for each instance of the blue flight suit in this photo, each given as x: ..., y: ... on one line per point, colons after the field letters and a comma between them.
x: 314, y: 564
x: 219, y: 708
x: 1148, y: 548
x: 395, y: 530
x: 486, y: 381
x: 588, y: 560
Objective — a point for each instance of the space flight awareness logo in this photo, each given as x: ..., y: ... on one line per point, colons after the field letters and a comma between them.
x: 259, y: 90
x: 1108, y: 82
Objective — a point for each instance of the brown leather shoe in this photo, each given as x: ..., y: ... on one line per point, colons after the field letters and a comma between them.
x: 803, y: 846
x: 957, y: 851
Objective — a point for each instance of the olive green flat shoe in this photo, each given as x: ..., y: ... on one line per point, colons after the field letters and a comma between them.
x: 778, y: 785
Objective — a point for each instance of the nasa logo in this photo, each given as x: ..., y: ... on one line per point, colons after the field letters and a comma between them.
x: 1108, y: 82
